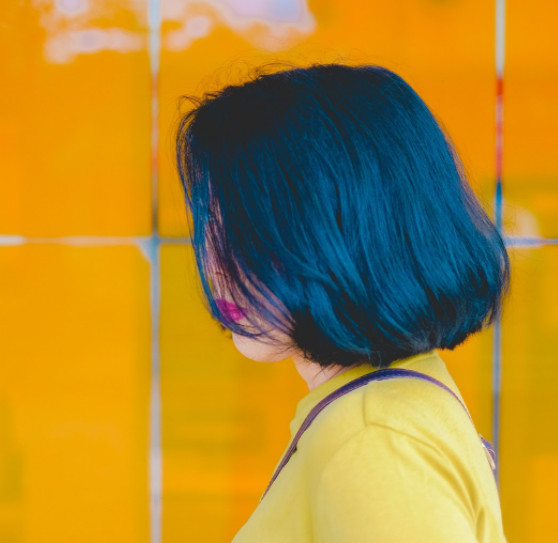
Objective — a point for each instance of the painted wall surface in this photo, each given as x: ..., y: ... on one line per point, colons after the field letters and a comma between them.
x: 125, y: 414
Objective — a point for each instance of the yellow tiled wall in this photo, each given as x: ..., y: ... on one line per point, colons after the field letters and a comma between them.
x: 126, y: 415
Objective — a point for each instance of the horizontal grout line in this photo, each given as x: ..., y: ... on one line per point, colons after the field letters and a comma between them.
x: 91, y: 240
x: 519, y: 241
x: 514, y: 241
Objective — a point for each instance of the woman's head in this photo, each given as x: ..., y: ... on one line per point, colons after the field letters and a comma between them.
x: 329, y: 204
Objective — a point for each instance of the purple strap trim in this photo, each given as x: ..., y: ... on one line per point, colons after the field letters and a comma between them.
x: 378, y: 375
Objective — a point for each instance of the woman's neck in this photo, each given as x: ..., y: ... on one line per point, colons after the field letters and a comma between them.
x: 313, y: 374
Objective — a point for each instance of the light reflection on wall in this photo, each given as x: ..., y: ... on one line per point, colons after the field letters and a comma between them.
x: 72, y: 25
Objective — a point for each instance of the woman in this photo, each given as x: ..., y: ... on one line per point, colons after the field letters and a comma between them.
x: 333, y: 223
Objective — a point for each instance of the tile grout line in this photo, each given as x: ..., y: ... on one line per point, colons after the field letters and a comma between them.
x: 153, y: 254
x: 82, y: 240
x: 499, y: 50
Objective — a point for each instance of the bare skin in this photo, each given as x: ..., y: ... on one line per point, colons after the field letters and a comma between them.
x: 260, y: 351
x: 311, y: 372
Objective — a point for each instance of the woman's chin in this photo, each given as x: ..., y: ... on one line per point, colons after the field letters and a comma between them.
x: 256, y: 350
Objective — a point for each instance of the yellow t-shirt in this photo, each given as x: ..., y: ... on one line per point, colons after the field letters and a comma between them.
x: 390, y: 462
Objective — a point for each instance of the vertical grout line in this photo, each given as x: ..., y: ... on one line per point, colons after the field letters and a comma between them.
x: 498, y: 203
x: 496, y: 393
x: 155, y: 454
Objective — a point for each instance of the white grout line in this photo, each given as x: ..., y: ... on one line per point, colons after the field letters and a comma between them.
x: 152, y: 248
x: 499, y: 48
x: 496, y: 392
x: 500, y: 43
x: 513, y: 241
x: 155, y: 453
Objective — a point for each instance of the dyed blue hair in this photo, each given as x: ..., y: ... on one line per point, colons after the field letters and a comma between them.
x: 335, y: 208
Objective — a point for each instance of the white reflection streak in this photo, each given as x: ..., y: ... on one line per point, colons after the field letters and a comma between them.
x: 65, y: 45
x: 71, y: 24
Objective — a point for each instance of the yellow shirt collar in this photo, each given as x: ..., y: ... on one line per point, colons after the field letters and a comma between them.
x: 307, y: 402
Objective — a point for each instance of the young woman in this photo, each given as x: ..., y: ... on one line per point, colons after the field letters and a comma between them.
x: 333, y: 223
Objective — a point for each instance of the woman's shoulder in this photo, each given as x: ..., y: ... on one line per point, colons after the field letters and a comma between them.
x: 416, y: 406
x: 417, y: 411
x: 406, y: 405
x: 380, y: 446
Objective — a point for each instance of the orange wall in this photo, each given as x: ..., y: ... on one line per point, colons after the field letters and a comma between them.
x: 86, y: 336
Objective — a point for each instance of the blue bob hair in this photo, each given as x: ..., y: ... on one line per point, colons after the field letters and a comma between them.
x: 329, y: 204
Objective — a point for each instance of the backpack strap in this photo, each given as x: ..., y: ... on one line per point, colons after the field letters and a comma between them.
x: 378, y: 375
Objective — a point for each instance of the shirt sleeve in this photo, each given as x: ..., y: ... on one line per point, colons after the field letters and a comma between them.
x: 384, y: 486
